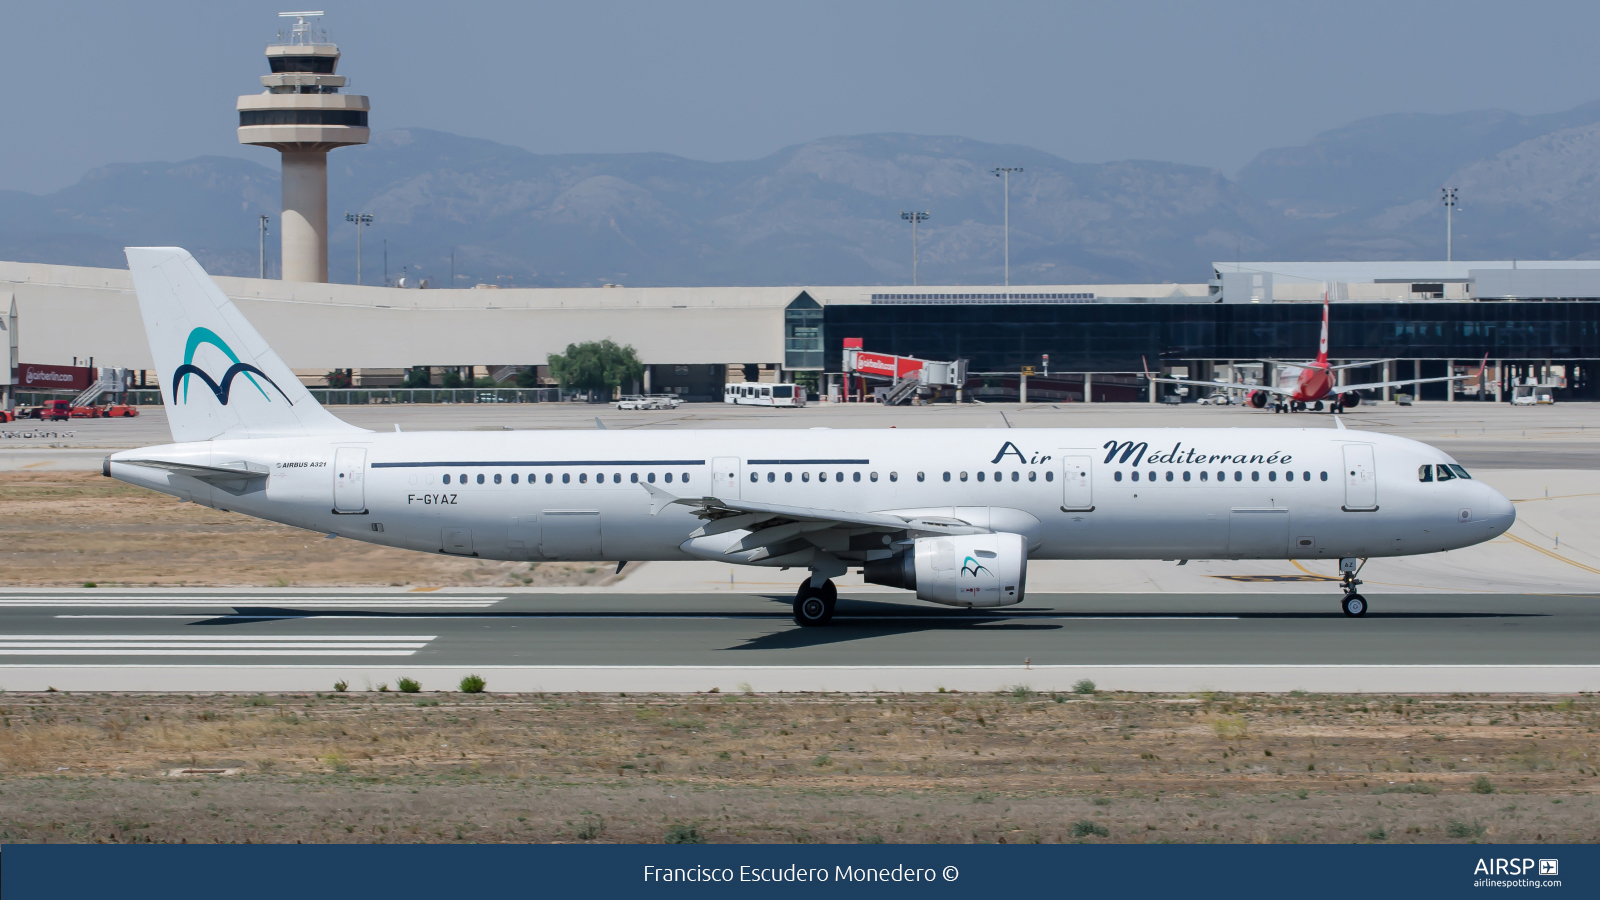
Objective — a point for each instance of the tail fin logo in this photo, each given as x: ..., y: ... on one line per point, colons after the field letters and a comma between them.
x: 180, y: 378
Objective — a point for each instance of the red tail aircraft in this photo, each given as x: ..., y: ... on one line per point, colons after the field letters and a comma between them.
x: 1315, y: 384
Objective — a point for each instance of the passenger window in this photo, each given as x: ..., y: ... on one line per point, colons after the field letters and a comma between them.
x: 1169, y: 476
x: 839, y: 476
x: 788, y: 476
x: 1186, y: 475
x: 1238, y: 476
x: 1222, y: 476
x: 446, y: 479
x: 921, y: 476
x: 1255, y: 476
x: 634, y: 477
x: 548, y: 477
x: 1306, y: 476
x: 998, y: 476
x: 1033, y: 476
x: 583, y: 477
x: 497, y: 478
x: 463, y: 477
x: 1116, y: 476
x: 894, y: 476
x: 566, y: 477
x: 805, y: 476
x: 480, y: 478
x: 1425, y: 473
x: 772, y: 476
x: 872, y: 476
x: 1204, y: 476
x: 1445, y: 474
x: 946, y: 477
x: 1016, y: 476
x: 513, y: 478
x: 668, y: 477
x: 650, y: 477
x: 855, y: 476
x: 754, y: 478
x: 1288, y: 476
x: 1460, y: 471
x: 963, y: 476
x: 1324, y: 476
x: 980, y: 476
x: 1135, y: 474
x: 1050, y: 476
x: 685, y: 478
x: 822, y: 476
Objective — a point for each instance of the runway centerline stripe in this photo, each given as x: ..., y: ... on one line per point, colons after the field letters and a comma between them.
x: 191, y: 652
x: 213, y: 637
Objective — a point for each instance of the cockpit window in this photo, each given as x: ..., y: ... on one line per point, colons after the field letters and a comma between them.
x: 1444, y: 473
x: 1460, y: 471
x: 1425, y: 473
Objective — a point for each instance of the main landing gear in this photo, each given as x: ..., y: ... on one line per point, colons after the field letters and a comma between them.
x: 1353, y: 604
x: 814, y: 606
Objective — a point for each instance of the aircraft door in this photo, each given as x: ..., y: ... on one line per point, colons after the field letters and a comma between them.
x: 1077, y: 482
x: 1258, y: 534
x: 725, y: 477
x: 349, y: 480
x: 1360, y: 478
x: 570, y: 534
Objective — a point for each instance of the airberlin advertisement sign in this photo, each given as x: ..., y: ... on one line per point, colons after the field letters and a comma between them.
x: 34, y: 377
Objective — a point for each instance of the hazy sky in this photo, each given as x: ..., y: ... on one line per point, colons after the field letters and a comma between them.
x: 1207, y: 83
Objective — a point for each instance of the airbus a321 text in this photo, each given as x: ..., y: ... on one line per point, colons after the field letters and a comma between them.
x: 954, y: 516
x: 1314, y: 382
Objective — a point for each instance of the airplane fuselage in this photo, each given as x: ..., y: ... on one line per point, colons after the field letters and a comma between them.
x: 1071, y: 493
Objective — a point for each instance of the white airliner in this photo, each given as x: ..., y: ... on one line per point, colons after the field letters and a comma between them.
x: 953, y: 515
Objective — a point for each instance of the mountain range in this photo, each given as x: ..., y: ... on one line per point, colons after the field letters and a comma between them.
x: 828, y: 211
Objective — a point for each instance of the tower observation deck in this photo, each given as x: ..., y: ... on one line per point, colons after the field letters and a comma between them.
x: 302, y: 115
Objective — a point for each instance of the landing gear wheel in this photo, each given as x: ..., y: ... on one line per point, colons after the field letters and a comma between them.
x: 1354, y: 605
x: 814, y: 606
x: 1317, y: 406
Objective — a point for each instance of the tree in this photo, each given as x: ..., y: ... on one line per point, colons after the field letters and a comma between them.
x: 338, y: 378
x: 418, y: 377
x: 595, y: 366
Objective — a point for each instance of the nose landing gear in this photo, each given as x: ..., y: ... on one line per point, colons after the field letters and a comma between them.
x: 814, y: 606
x: 1353, y: 604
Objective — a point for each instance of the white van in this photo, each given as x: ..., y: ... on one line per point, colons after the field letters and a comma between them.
x: 753, y: 394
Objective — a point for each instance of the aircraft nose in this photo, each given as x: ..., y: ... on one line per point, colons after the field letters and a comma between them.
x: 1498, y: 510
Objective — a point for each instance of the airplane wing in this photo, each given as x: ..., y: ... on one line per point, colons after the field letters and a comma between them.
x: 1482, y: 367
x: 1219, y: 385
x: 1357, y: 365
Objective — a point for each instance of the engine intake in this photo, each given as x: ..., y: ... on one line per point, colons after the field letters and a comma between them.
x: 972, y: 570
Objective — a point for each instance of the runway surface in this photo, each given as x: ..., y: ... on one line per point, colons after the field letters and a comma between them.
x: 378, y: 635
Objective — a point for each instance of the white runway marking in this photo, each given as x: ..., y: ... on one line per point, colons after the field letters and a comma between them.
x: 210, y: 645
x: 192, y: 601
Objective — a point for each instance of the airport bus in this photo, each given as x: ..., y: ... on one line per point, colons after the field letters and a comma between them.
x: 753, y: 394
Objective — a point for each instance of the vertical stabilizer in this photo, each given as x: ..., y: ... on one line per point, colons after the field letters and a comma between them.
x: 219, y: 379
x: 1322, y: 346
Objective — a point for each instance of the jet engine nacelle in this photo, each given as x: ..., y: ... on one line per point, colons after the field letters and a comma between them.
x: 1258, y: 399
x: 973, y: 570
x: 1350, y: 399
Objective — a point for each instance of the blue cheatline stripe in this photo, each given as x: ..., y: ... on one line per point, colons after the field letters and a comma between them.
x: 810, y: 462
x: 525, y: 463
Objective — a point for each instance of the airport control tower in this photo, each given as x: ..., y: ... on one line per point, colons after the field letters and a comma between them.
x: 302, y: 115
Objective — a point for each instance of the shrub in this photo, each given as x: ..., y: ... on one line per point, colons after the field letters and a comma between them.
x: 1458, y: 829
x: 1378, y: 834
x: 1021, y: 692
x: 341, y: 685
x: 90, y: 584
x: 1413, y: 787
x: 260, y: 700
x: 1084, y: 686
x: 1483, y: 785
x: 683, y: 834
x: 822, y: 761
x: 473, y: 684
x: 592, y: 827
x: 408, y: 685
x: 1086, y: 828
x: 383, y: 687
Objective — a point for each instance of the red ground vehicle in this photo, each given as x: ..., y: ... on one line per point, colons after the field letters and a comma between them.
x: 120, y: 410
x: 55, y: 411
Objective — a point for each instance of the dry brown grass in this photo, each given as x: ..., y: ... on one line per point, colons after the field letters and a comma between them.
x: 943, y: 767
x: 68, y: 528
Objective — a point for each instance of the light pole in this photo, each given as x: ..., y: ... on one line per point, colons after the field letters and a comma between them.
x: 360, y: 219
x: 1005, y: 173
x: 262, y: 221
x: 914, y: 218
x: 1448, y: 195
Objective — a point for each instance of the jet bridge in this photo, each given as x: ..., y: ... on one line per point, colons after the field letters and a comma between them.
x: 908, y: 376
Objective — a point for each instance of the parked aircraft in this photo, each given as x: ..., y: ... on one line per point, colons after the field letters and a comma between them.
x: 953, y: 515
x: 1314, y: 382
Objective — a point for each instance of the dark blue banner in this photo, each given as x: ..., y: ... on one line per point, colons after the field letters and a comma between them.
x: 395, y: 872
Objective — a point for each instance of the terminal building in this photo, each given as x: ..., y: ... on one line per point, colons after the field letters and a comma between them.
x: 1537, y: 320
